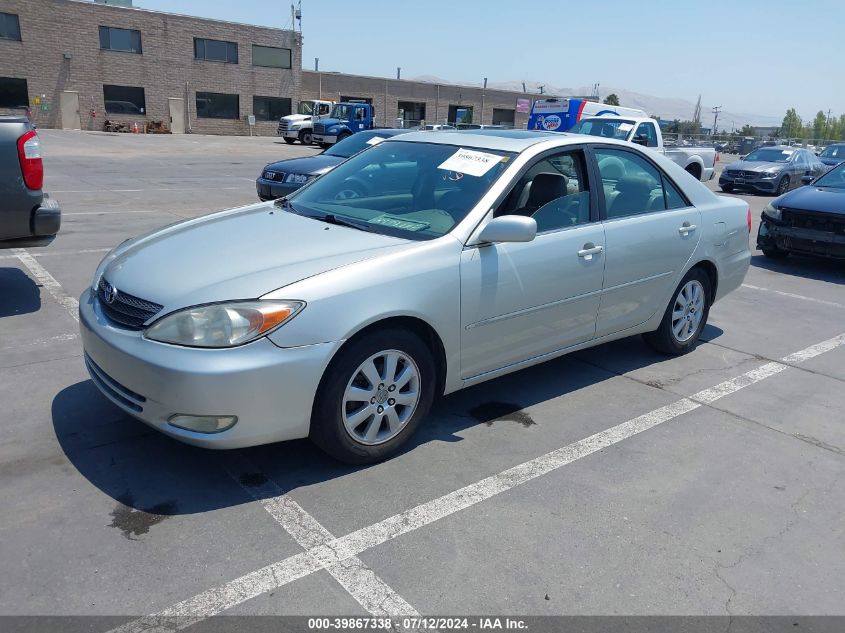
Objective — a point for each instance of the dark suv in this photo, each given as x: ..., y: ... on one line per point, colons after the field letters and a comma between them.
x: 28, y: 217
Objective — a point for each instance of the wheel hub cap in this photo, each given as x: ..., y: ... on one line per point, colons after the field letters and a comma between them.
x: 688, y: 310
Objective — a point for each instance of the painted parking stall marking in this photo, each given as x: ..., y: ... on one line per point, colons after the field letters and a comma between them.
x: 321, y: 556
x: 49, y: 282
x: 792, y: 295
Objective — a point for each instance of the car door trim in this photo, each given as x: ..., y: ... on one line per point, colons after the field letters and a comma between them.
x: 639, y: 281
x: 524, y: 311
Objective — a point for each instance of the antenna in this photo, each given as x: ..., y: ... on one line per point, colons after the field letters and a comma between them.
x: 541, y: 89
x: 523, y: 87
x: 298, y: 15
x: 716, y: 110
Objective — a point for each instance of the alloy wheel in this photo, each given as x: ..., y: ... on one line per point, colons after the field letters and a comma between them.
x: 688, y: 311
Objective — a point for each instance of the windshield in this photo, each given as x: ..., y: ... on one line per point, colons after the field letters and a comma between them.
x: 607, y: 128
x: 834, y: 151
x: 355, y: 143
x: 417, y: 191
x: 770, y: 155
x: 306, y: 107
x: 340, y: 112
x: 834, y: 178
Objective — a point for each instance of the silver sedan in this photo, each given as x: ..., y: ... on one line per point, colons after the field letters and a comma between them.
x: 342, y: 320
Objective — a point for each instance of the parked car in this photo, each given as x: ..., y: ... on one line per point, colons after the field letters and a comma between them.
x: 772, y: 170
x: 698, y: 161
x: 28, y: 216
x: 286, y: 176
x: 435, y: 127
x: 809, y: 220
x: 833, y: 154
x: 299, y: 126
x: 342, y: 319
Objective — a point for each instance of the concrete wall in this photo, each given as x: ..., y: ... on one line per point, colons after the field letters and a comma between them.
x: 437, y: 97
x: 54, y: 29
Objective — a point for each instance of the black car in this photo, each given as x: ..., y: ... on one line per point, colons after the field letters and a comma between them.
x: 833, y: 154
x: 286, y: 176
x: 809, y: 220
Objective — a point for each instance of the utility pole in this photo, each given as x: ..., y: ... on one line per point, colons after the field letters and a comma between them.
x: 398, y: 72
x: 716, y: 110
x: 482, y: 101
x: 541, y: 89
x: 826, y: 124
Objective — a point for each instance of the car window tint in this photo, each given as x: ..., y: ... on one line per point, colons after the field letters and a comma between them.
x: 632, y: 185
x: 647, y: 132
x: 674, y: 199
x: 554, y: 191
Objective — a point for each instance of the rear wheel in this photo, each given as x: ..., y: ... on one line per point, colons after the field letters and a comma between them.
x: 685, y: 316
x: 305, y: 137
x: 373, y: 396
x: 325, y: 145
x: 343, y: 136
x: 694, y: 171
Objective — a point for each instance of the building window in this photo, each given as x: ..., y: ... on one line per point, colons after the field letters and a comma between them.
x: 13, y: 93
x: 270, y: 56
x: 411, y: 113
x: 115, y: 39
x: 460, y: 114
x: 503, y: 116
x: 124, y: 100
x: 215, y: 50
x: 10, y: 27
x: 270, y: 108
x: 215, y: 105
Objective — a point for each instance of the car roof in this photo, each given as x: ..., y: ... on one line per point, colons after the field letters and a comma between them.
x: 384, y: 132
x: 502, y: 140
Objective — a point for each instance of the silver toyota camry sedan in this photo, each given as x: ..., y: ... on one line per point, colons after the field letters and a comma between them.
x: 468, y: 255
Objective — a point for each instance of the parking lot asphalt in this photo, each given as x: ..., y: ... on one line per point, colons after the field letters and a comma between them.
x: 610, y: 481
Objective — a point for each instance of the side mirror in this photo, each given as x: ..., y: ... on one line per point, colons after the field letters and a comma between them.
x: 807, y: 179
x: 509, y: 228
x: 640, y: 140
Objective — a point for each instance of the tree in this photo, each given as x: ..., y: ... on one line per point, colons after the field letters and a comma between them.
x: 747, y: 130
x: 612, y: 99
x: 819, y: 125
x: 792, y: 124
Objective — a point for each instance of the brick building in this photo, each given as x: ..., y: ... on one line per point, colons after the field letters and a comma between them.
x: 63, y: 57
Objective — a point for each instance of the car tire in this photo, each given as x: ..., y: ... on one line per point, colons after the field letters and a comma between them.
x: 693, y: 298
x: 783, y: 186
x: 325, y: 145
x: 357, y: 430
x: 305, y: 137
x: 773, y: 252
x: 344, y: 136
x: 290, y: 141
x: 726, y: 188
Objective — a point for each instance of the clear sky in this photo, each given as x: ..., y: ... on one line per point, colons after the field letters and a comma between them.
x: 755, y: 56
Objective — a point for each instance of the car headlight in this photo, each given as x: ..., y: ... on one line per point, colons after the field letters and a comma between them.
x: 222, y: 324
x: 333, y: 130
x: 295, y: 126
x: 297, y: 179
x: 771, y: 174
x: 773, y: 212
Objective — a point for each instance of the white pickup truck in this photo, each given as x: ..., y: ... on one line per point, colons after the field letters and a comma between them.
x: 299, y: 126
x: 698, y: 161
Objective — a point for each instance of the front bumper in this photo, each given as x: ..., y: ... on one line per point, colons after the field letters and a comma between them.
x: 800, y: 240
x: 288, y: 133
x: 271, y: 189
x: 324, y: 138
x: 759, y: 185
x: 270, y: 389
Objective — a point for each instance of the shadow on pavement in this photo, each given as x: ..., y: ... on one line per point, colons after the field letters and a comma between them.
x: 20, y: 294
x: 818, y: 268
x: 146, y: 471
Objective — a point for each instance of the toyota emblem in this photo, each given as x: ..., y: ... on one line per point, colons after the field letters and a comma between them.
x: 109, y: 293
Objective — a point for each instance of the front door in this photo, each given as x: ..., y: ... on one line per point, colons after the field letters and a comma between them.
x: 69, y: 107
x: 651, y: 231
x: 177, y: 115
x: 522, y: 300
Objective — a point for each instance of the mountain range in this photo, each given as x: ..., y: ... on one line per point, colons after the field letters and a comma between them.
x: 665, y: 107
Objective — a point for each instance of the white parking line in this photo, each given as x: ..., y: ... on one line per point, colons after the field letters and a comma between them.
x: 370, y: 591
x: 46, y: 279
x: 51, y: 253
x: 795, y: 296
x: 42, y: 341
x: 218, y: 599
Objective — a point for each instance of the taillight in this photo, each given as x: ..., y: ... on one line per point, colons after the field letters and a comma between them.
x: 29, y: 153
x: 748, y: 219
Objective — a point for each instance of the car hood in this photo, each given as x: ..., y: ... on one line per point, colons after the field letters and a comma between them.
x: 296, y: 118
x: 831, y: 161
x: 238, y: 254
x: 755, y: 165
x: 812, y: 198
x: 329, y: 122
x: 310, y: 165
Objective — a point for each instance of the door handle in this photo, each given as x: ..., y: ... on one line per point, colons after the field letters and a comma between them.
x: 589, y: 250
x: 687, y: 228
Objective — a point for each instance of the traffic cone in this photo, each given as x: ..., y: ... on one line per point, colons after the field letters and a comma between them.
x: 135, y: 128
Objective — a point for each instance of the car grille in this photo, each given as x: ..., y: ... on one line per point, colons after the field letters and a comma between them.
x: 319, y: 128
x: 276, y: 176
x: 125, y: 309
x: 738, y: 173
x: 826, y: 222
x: 113, y: 389
x: 283, y: 125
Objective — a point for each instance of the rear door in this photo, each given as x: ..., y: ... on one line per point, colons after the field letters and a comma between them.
x: 651, y: 231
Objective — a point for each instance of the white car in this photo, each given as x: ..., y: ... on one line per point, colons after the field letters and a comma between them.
x: 342, y: 319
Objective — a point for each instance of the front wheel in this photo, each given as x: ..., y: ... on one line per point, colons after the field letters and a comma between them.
x: 373, y: 396
x: 305, y: 137
x: 727, y: 188
x: 783, y: 185
x: 685, y: 316
x: 289, y: 141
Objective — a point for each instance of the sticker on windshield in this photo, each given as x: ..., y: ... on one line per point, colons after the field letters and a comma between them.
x: 399, y: 223
x: 624, y: 127
x: 469, y: 161
x: 375, y: 140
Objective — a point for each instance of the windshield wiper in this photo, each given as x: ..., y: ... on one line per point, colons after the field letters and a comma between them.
x: 340, y: 220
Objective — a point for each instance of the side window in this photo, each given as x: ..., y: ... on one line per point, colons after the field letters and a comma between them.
x: 674, y: 199
x: 359, y: 113
x: 554, y: 191
x: 647, y: 132
x: 632, y: 185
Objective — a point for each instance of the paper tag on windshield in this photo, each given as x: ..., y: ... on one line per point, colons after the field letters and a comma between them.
x: 375, y: 140
x: 624, y: 127
x: 469, y: 161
